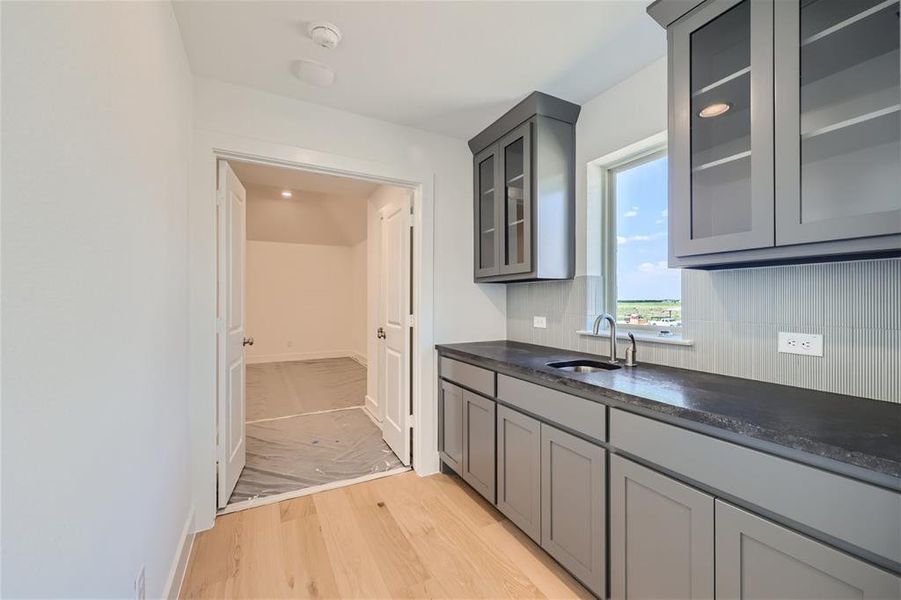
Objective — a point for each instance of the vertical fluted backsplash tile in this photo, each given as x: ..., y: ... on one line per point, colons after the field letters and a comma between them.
x: 734, y: 317
x: 800, y: 294
x: 848, y: 306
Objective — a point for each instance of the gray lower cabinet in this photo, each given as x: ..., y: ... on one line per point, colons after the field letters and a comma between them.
x: 519, y: 470
x: 573, y: 486
x: 661, y: 536
x: 450, y: 431
x: 756, y: 558
x: 478, y: 443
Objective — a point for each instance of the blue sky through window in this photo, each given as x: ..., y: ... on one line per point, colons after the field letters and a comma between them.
x: 641, y: 225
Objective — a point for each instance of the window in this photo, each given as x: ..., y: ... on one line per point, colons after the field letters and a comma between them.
x: 646, y: 294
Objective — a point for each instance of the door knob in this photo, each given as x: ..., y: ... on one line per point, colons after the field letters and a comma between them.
x: 380, y: 334
x: 248, y: 341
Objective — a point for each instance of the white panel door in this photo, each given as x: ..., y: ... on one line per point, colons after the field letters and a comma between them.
x: 231, y: 208
x: 394, y: 332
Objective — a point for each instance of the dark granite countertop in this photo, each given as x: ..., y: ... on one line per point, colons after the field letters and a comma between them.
x: 857, y: 437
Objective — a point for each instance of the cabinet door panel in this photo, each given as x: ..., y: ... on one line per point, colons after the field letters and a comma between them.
x: 519, y: 470
x: 721, y: 149
x: 478, y: 443
x: 450, y: 432
x: 515, y: 156
x: 758, y: 559
x: 573, y: 517
x: 837, y: 120
x: 661, y: 536
x: 486, y: 193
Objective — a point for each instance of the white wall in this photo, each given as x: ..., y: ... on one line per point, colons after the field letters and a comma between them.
x: 300, y: 301
x: 96, y: 129
x: 240, y: 120
x: 304, y: 282
x: 359, y: 300
x: 632, y: 110
x: 463, y: 310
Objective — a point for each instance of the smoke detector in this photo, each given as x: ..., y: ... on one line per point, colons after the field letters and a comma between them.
x: 325, y: 34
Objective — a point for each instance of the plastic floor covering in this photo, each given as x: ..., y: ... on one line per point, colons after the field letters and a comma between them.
x: 282, y: 389
x: 290, y: 454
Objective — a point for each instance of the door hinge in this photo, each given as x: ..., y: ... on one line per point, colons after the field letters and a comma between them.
x: 411, y: 321
x: 410, y: 421
x: 220, y: 325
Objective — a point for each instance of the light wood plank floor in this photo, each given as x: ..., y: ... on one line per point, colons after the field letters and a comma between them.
x: 398, y: 537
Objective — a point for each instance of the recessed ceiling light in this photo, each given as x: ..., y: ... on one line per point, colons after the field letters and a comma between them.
x: 714, y: 110
x: 314, y: 73
x: 286, y: 194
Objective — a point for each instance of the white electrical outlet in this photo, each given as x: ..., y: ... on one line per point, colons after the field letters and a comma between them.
x: 809, y: 344
x: 140, y: 585
x: 539, y: 322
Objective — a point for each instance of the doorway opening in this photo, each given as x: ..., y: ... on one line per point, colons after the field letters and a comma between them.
x: 315, y: 311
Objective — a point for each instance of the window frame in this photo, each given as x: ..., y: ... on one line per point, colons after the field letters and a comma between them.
x: 653, y: 150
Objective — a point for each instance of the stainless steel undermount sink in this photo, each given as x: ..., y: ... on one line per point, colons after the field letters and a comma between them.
x: 583, y: 366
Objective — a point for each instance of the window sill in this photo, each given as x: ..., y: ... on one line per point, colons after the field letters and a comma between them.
x: 643, y: 336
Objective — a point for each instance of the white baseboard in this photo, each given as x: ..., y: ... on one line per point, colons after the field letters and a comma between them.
x: 372, y: 408
x: 359, y: 358
x: 179, y: 566
x: 295, y: 356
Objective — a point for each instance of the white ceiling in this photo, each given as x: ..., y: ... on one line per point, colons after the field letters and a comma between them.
x: 324, y: 209
x: 447, y: 67
x: 307, y: 218
x: 254, y: 174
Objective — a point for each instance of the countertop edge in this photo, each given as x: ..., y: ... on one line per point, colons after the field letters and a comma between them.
x: 670, y: 414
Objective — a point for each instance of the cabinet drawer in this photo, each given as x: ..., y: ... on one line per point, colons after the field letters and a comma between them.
x: 578, y: 414
x: 475, y: 378
x: 849, y: 511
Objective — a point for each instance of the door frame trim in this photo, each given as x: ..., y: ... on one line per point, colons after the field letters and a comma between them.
x: 209, y: 147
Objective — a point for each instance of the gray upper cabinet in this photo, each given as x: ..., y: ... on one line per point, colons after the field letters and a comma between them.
x: 758, y: 559
x: 485, y: 166
x: 573, y: 484
x: 661, y: 536
x: 721, y: 154
x: 450, y: 432
x: 785, y: 136
x: 524, y: 193
x: 516, y: 212
x: 837, y: 120
x: 478, y: 444
x: 519, y: 470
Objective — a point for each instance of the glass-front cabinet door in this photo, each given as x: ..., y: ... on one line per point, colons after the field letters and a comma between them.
x: 721, y: 151
x: 487, y: 247
x: 838, y: 132
x: 514, y: 152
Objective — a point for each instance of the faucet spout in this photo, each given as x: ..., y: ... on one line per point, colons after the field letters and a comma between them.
x: 612, y: 322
